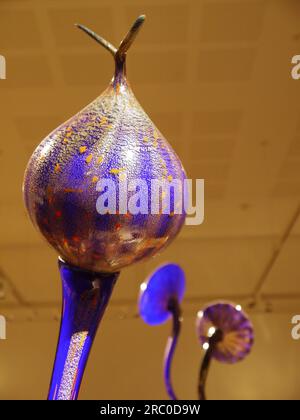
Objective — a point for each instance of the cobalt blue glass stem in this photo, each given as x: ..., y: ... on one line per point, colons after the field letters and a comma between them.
x: 85, y: 297
x: 174, y: 308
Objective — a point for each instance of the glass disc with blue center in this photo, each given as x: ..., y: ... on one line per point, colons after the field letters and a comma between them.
x: 165, y: 284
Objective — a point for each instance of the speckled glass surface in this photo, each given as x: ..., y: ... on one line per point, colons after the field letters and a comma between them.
x: 85, y: 296
x: 110, y: 138
x: 236, y: 328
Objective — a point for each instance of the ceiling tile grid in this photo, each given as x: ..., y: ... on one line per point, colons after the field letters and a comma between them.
x: 207, y: 74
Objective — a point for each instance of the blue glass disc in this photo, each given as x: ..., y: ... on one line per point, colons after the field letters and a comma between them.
x: 164, y: 283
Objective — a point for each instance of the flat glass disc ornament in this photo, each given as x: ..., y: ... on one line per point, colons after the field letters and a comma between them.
x: 225, y: 333
x: 235, y: 328
x: 165, y: 284
x: 159, y: 300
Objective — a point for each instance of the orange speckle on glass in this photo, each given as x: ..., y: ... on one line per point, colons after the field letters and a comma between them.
x: 118, y: 226
x: 116, y: 171
x: 163, y: 162
x: 170, y: 178
x: 103, y: 121
x: 95, y: 179
x: 155, y: 135
x: 76, y: 238
x: 66, y: 140
x: 82, y: 149
x: 89, y: 158
x: 99, y: 160
x: 69, y: 134
x: 57, y: 167
x: 146, y: 139
x: 73, y: 190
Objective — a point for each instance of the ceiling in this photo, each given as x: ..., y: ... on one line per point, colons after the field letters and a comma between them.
x: 215, y: 77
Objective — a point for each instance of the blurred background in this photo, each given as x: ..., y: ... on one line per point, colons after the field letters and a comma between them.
x: 215, y: 77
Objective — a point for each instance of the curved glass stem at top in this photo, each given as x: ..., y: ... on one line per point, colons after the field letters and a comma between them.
x: 85, y: 297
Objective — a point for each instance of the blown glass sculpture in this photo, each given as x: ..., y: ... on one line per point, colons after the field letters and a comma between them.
x: 226, y: 333
x: 159, y: 300
x: 111, y: 139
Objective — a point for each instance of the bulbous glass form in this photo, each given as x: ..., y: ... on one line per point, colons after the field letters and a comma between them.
x: 111, y: 138
x: 235, y: 327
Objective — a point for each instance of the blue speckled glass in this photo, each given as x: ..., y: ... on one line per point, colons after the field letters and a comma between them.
x: 111, y: 138
x: 85, y: 296
x: 165, y: 283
